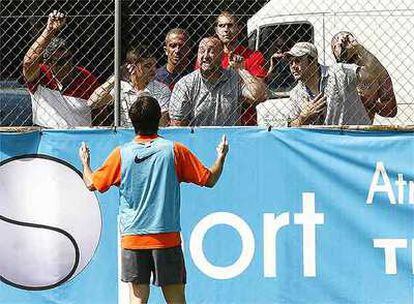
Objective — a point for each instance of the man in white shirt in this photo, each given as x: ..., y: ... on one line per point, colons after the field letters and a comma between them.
x: 138, y: 74
x: 58, y: 88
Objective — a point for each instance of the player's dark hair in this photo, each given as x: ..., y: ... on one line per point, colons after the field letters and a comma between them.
x: 145, y: 115
x: 138, y: 53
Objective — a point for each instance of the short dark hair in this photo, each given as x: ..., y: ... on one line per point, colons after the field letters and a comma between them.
x: 229, y: 15
x: 214, y: 39
x: 135, y: 55
x: 145, y: 115
x: 138, y: 53
x: 175, y: 31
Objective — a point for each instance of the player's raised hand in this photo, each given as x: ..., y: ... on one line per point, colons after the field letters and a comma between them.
x: 84, y: 154
x: 136, y: 73
x: 223, y: 147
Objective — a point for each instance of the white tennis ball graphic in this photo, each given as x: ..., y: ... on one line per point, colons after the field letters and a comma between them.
x: 50, y: 223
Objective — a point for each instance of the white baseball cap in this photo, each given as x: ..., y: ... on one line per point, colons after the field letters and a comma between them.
x: 303, y: 48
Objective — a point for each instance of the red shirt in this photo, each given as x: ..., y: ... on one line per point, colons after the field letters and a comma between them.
x: 254, y: 62
x: 82, y: 86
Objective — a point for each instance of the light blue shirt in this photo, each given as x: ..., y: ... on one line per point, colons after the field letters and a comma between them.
x: 149, y: 189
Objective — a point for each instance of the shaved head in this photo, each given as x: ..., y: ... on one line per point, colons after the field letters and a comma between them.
x: 210, y: 52
x: 338, y: 50
x: 211, y: 41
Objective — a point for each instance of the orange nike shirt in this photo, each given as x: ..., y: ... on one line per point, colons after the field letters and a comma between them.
x: 188, y: 168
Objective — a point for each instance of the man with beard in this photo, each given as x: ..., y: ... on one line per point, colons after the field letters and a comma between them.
x: 176, y: 49
x: 58, y: 88
x: 211, y: 95
x: 378, y: 96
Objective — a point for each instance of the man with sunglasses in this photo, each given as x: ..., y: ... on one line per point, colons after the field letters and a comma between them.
x: 329, y: 95
x: 58, y: 88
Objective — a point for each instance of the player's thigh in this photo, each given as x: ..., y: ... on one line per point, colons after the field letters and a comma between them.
x: 169, y: 267
x: 136, y: 266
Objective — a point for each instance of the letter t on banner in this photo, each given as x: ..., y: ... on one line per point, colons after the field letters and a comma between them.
x: 309, y: 219
x: 390, y: 247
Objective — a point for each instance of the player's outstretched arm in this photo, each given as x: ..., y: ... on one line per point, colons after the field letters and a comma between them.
x: 85, y: 158
x: 217, y: 167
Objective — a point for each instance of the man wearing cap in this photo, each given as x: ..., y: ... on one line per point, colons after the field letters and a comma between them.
x: 328, y: 95
x: 59, y: 89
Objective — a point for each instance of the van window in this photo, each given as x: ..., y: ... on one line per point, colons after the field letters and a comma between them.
x: 252, y: 40
x: 280, y: 38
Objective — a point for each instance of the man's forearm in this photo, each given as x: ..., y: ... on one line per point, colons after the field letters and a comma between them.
x: 386, y: 108
x: 255, y: 89
x: 373, y: 66
x: 34, y: 55
x: 102, y: 95
x: 165, y: 119
x: 216, y: 171
x: 88, y: 177
x: 179, y: 123
x: 297, y: 122
x: 300, y: 120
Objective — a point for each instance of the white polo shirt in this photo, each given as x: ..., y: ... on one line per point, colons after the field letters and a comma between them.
x: 129, y: 95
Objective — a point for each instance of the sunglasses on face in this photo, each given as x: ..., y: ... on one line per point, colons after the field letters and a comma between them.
x: 60, y: 61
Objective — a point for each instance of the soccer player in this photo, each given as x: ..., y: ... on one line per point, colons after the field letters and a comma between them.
x: 148, y: 171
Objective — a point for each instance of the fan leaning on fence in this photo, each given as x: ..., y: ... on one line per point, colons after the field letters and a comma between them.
x: 137, y: 78
x: 378, y: 95
x: 58, y: 88
x: 329, y: 95
x: 211, y: 95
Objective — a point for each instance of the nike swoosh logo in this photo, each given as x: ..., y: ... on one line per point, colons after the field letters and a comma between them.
x: 141, y: 159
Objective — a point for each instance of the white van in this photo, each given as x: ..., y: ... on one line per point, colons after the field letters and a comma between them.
x: 384, y: 27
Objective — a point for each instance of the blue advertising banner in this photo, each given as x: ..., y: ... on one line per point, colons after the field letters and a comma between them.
x: 299, y: 216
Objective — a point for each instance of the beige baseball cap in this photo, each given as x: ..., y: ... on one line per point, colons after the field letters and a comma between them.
x: 303, y: 48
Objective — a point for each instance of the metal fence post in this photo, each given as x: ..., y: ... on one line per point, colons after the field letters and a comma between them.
x: 117, y: 63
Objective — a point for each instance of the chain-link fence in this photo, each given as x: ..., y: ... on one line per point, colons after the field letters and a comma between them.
x: 67, y: 82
